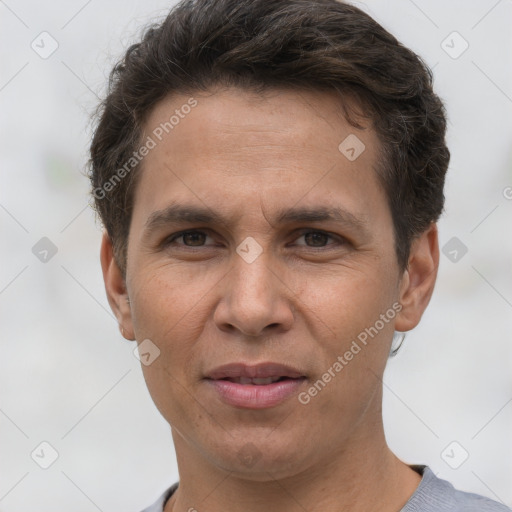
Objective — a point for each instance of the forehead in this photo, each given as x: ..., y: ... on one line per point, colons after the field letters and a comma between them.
x: 237, y: 151
x: 282, y: 120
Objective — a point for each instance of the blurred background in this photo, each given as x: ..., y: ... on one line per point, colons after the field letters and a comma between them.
x: 78, y: 429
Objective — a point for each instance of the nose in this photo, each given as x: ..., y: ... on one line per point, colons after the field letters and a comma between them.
x: 255, y: 299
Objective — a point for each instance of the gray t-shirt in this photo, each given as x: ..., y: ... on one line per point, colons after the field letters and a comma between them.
x: 432, y: 495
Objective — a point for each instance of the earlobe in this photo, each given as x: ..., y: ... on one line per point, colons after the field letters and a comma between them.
x: 418, y: 281
x: 115, y: 288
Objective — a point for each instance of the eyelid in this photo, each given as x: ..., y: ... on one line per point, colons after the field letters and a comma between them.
x: 337, y: 238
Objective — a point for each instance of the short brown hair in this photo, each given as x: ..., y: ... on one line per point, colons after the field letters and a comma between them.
x: 262, y: 44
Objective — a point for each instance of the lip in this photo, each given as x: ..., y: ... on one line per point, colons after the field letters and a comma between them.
x: 261, y: 370
x: 252, y: 396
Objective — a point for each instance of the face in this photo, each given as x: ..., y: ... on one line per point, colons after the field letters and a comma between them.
x: 255, y: 240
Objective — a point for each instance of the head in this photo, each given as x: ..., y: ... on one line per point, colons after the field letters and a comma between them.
x: 305, y: 146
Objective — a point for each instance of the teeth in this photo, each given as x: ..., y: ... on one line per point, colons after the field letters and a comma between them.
x: 256, y: 381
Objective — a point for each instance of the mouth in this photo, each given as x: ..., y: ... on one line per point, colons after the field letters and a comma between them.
x: 255, y: 387
x: 257, y: 374
x: 256, y: 381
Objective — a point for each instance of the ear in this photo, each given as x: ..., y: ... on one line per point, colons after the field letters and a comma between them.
x: 418, y: 280
x: 115, y: 287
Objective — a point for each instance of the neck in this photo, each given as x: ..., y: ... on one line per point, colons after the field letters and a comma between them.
x: 363, y: 475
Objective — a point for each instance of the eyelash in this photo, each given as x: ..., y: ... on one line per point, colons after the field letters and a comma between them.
x: 170, y: 239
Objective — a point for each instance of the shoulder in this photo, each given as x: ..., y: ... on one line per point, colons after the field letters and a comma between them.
x: 437, y: 495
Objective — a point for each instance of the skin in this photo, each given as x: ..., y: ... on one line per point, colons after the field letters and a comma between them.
x: 302, y: 302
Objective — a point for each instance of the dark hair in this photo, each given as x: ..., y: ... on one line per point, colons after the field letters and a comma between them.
x: 262, y: 44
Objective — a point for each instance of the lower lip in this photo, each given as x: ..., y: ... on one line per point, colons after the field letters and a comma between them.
x: 252, y: 396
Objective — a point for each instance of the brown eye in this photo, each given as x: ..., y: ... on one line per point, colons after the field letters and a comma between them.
x: 193, y: 238
x: 316, y: 238
x: 319, y: 240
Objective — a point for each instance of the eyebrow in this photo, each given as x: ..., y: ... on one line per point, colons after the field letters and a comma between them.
x: 181, y: 213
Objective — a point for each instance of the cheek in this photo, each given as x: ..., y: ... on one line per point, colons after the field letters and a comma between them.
x: 166, y: 300
x: 347, y: 302
x: 352, y: 338
x: 348, y: 381
x: 170, y: 309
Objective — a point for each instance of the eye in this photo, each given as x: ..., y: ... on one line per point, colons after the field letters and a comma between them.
x: 313, y: 239
x: 191, y: 238
x: 319, y: 239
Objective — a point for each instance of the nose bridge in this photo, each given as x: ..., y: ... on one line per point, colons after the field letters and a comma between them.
x: 253, y: 298
x: 251, y: 277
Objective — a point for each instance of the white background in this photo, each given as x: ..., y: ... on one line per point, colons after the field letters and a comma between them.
x: 66, y: 375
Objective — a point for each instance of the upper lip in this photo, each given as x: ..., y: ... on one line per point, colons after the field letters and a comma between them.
x: 257, y: 371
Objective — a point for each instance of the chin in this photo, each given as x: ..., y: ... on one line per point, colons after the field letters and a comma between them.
x: 261, y: 459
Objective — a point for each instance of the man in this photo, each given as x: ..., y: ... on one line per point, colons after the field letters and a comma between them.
x: 270, y: 175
